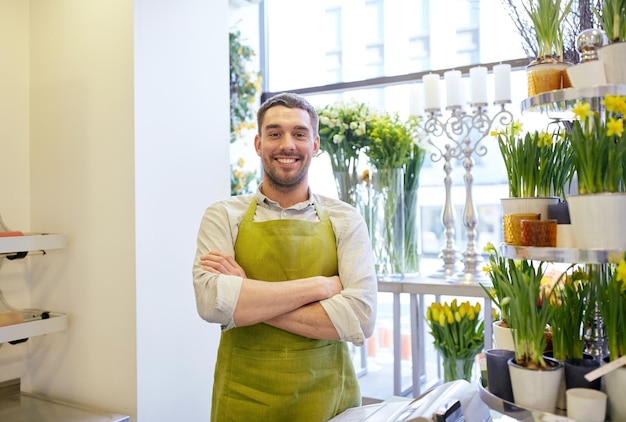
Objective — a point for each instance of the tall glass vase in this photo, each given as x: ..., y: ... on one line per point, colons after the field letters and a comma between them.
x: 347, y: 186
x: 412, y: 245
x: 387, y: 222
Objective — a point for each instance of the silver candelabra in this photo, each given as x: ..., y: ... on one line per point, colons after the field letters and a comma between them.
x: 465, y: 131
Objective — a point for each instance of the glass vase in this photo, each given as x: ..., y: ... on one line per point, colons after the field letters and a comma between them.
x: 458, y: 368
x: 387, y: 222
x: 347, y: 186
x: 412, y: 245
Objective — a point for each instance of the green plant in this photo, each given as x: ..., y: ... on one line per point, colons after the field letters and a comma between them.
x: 547, y: 17
x: 523, y: 302
x: 612, y: 299
x: 598, y: 143
x: 458, y: 333
x: 537, y: 163
x: 245, y: 86
x: 568, y: 299
x: 391, y: 141
x: 242, y: 181
x: 582, y: 16
x: 613, y: 19
x: 412, y: 170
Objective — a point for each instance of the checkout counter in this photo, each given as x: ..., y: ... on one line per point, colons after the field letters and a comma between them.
x: 455, y: 401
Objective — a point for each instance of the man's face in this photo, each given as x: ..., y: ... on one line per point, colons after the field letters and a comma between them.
x: 286, y: 146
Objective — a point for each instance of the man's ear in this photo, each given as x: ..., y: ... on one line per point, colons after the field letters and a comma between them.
x: 257, y: 144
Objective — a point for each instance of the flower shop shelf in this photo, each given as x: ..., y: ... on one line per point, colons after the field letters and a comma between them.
x: 562, y: 255
x: 35, y: 322
x: 31, y: 242
x: 564, y: 99
x: 43, y: 323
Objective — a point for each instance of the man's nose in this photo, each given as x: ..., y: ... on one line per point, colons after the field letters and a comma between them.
x: 288, y: 142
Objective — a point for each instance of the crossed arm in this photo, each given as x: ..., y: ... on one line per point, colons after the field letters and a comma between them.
x: 289, y: 305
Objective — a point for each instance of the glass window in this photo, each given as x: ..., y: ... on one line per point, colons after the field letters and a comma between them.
x: 346, y: 41
x: 309, y: 45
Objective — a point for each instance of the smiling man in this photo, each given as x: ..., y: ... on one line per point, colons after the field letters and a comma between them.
x: 290, y: 277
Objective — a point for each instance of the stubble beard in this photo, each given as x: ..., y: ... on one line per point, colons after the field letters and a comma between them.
x: 284, y: 181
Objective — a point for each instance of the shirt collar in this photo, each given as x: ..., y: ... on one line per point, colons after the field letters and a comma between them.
x: 262, y: 199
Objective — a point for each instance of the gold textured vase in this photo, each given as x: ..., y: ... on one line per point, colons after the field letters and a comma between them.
x: 512, y: 225
x: 547, y: 76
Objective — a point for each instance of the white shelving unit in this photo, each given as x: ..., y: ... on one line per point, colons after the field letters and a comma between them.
x: 31, y: 242
x: 56, y: 322
x: 52, y: 322
x: 21, y: 406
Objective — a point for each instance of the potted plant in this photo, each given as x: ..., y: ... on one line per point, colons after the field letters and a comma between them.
x: 598, y: 144
x: 528, y: 313
x: 613, y: 22
x: 568, y: 298
x: 458, y: 333
x: 611, y: 279
x: 584, y: 16
x: 546, y: 71
x: 539, y: 166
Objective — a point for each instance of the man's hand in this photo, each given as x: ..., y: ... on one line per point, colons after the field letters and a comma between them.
x: 334, y: 285
x: 220, y: 263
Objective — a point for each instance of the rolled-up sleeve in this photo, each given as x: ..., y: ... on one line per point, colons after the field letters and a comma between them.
x: 216, y: 298
x: 216, y: 294
x: 353, y: 312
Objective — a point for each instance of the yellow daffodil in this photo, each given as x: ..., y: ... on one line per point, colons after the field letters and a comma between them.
x: 582, y: 110
x: 615, y: 127
x: 621, y: 271
x: 598, y: 144
x: 457, y: 330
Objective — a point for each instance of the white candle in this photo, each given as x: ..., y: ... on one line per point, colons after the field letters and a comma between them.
x: 431, y: 91
x: 478, y: 79
x: 454, y: 87
x: 502, y: 78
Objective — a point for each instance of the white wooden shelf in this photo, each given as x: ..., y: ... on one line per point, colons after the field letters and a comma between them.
x: 56, y: 322
x: 31, y: 242
x: 53, y: 322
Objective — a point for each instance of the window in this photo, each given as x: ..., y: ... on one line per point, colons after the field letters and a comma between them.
x: 331, y: 49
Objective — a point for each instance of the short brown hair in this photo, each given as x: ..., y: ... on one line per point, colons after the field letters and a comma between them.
x: 289, y: 100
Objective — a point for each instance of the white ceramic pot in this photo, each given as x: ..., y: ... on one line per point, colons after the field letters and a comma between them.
x: 536, y: 389
x: 598, y: 220
x: 615, y: 385
x: 612, y: 56
x: 587, y: 74
x: 502, y: 337
x: 537, y: 205
x: 565, y: 236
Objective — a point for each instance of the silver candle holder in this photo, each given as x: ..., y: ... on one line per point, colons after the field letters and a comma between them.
x: 465, y: 131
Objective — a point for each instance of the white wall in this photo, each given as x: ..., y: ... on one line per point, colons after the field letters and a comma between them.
x: 181, y: 149
x: 114, y: 131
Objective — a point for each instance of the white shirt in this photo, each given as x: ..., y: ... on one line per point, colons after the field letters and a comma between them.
x: 352, y: 312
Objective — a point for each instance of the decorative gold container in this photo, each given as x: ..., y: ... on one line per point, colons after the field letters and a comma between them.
x: 547, y: 76
x: 513, y: 227
x: 538, y: 233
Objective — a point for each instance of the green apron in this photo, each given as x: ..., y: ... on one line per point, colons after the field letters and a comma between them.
x: 268, y: 374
